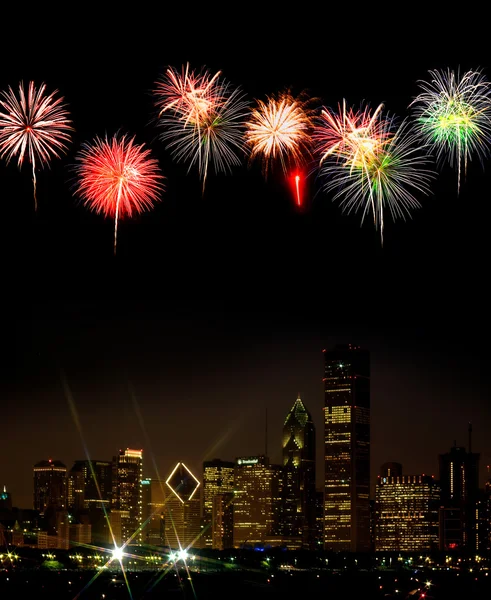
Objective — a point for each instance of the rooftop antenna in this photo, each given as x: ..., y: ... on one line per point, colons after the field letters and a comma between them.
x: 266, y: 433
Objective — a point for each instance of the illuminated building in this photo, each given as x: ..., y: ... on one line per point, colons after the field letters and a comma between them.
x: 406, y: 513
x: 299, y: 518
x: 218, y: 478
x: 257, y: 502
x: 182, y: 524
x: 347, y: 449
x: 223, y: 521
x: 89, y: 484
x: 127, y: 495
x: 153, y: 511
x: 5, y: 499
x: 50, y: 485
x: 459, y: 481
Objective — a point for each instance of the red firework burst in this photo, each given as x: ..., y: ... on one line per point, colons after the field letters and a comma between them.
x: 117, y: 178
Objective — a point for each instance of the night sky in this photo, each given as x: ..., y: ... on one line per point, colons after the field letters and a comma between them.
x: 196, y: 338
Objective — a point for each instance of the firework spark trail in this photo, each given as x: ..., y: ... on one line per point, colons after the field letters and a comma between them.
x: 377, y: 165
x: 452, y: 114
x: 35, y: 124
x: 117, y: 177
x: 202, y: 118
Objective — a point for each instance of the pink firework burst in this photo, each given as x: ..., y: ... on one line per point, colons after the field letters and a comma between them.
x: 117, y: 177
x: 33, y: 124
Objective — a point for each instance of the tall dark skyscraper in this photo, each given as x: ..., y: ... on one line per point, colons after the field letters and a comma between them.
x: 459, y: 481
x: 347, y: 449
x: 299, y: 475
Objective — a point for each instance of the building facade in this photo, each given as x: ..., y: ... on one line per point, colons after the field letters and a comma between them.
x: 347, y: 449
x: 218, y: 478
x: 299, y: 492
x: 127, y: 494
x: 182, y: 521
x: 257, y: 502
x: 459, y: 481
x: 406, y: 513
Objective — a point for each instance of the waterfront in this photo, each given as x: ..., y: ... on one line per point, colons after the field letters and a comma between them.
x: 71, y: 584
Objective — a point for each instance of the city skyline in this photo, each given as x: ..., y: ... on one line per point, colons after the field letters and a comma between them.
x: 218, y: 305
x: 255, y: 432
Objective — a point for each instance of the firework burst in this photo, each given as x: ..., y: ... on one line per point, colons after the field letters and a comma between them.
x: 371, y: 163
x: 33, y: 124
x: 117, y: 177
x: 452, y: 114
x: 202, y: 118
x: 279, y: 130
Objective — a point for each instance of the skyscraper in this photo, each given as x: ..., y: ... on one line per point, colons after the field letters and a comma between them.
x: 182, y: 523
x: 127, y: 495
x: 299, y: 475
x: 257, y: 501
x: 459, y: 481
x: 218, y: 478
x: 347, y: 449
x: 406, y: 512
x: 50, y: 485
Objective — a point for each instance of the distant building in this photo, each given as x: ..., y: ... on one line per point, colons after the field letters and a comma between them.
x: 50, y: 485
x: 218, y: 478
x: 258, y: 501
x: 5, y: 500
x: 223, y: 521
x: 50, y: 492
x: 154, y: 495
x: 406, y: 512
x: 347, y: 449
x: 89, y: 485
x: 459, y: 482
x: 182, y: 523
x: 127, y: 494
x: 298, y: 509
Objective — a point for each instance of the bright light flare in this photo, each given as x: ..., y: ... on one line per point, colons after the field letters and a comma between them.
x: 117, y: 554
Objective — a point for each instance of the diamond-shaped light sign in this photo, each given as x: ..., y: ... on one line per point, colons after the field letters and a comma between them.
x: 182, y: 482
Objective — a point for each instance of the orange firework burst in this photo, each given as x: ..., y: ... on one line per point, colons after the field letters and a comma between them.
x: 35, y: 124
x: 117, y: 178
x: 279, y: 129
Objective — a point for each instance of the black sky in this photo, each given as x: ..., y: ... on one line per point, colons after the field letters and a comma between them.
x: 218, y: 305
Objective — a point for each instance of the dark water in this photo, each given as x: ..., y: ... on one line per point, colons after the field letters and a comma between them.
x: 257, y: 585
